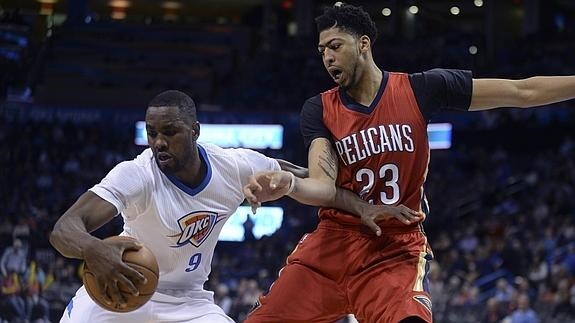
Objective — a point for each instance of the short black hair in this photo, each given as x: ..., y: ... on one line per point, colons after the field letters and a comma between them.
x: 349, y: 18
x: 178, y: 99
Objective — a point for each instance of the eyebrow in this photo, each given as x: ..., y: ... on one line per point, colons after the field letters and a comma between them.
x: 320, y: 46
x: 169, y: 125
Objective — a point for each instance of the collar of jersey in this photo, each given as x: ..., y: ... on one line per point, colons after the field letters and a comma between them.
x: 195, y: 190
x: 358, y: 107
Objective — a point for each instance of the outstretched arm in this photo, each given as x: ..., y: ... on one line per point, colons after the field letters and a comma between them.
x: 535, y: 91
x: 320, y: 189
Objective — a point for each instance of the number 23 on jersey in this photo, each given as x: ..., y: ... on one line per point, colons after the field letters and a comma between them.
x: 389, y: 173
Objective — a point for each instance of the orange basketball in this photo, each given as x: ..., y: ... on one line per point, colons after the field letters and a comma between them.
x: 143, y: 261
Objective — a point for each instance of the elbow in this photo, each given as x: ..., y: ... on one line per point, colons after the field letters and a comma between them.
x: 55, y: 239
x: 526, y: 95
x: 528, y: 99
x: 58, y: 242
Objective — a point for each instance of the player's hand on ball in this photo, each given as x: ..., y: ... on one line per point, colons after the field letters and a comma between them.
x: 104, y: 258
x: 385, y: 212
x: 267, y: 186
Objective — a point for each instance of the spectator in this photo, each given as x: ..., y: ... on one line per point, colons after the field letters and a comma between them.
x: 523, y: 313
x: 11, y: 296
x: 14, y: 259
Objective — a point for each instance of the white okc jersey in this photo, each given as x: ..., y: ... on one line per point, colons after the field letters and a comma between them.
x: 181, y: 224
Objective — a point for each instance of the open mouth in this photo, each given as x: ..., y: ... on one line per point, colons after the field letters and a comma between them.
x: 336, y: 73
x: 164, y: 157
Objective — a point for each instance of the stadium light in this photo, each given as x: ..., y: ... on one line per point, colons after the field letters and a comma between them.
x: 47, y: 6
x: 472, y: 49
x: 119, y: 8
x: 413, y: 10
x: 386, y: 12
x: 454, y: 10
x: 478, y: 3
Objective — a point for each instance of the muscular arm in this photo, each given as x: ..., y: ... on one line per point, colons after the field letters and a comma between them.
x: 320, y: 188
x: 298, y: 171
x: 71, y: 237
x: 535, y: 91
x: 71, y: 232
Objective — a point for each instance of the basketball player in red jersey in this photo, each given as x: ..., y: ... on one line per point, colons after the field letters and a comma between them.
x: 369, y: 135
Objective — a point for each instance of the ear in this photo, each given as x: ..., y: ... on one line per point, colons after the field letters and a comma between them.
x: 364, y: 44
x: 196, y: 130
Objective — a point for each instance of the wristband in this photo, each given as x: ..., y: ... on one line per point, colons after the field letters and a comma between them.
x: 291, y: 184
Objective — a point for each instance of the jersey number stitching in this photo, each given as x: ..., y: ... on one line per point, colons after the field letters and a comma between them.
x: 367, y: 175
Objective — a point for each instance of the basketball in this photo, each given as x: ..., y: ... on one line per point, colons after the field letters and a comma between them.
x: 143, y: 261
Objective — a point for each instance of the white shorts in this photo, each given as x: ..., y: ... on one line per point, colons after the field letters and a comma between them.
x: 161, y: 308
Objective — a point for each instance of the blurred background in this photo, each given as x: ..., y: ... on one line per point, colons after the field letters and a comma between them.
x: 76, y: 75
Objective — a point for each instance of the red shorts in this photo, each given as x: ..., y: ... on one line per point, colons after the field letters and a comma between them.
x: 337, y: 270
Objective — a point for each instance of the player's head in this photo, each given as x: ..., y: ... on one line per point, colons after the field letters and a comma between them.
x: 173, y: 129
x: 346, y: 34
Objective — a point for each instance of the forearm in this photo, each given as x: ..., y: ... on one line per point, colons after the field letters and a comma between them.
x: 534, y: 91
x: 298, y: 171
x: 317, y: 193
x: 313, y: 192
x: 70, y: 237
x: 350, y: 202
x: 542, y: 90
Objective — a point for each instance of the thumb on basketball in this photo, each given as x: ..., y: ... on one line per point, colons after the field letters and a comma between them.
x: 131, y: 245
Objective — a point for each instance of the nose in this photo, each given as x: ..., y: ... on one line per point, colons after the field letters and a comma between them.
x: 160, y: 143
x: 328, y: 57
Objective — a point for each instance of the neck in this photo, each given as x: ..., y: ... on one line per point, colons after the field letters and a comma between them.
x: 194, y: 170
x: 366, y: 88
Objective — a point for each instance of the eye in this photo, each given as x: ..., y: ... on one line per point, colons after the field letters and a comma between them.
x: 151, y: 133
x: 334, y: 46
x: 170, y: 132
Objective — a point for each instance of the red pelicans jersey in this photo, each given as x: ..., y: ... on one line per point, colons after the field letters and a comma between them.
x: 383, y: 149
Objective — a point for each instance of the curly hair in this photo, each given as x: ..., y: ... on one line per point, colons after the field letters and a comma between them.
x: 351, y: 19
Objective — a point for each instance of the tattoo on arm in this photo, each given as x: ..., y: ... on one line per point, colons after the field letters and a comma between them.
x: 327, y: 163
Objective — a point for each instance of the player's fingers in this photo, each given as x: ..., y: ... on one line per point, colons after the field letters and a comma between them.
x: 249, y: 193
x: 131, y: 245
x: 275, y: 180
x: 403, y: 217
x: 114, y: 293
x: 416, y: 214
x: 103, y: 287
x: 123, y: 280
x: 372, y: 225
x: 254, y: 185
x: 255, y: 207
x: 134, y: 275
x: 410, y: 216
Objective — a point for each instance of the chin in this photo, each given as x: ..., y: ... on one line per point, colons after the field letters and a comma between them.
x: 165, y: 168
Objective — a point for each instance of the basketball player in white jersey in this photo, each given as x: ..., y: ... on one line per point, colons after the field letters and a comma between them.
x: 174, y: 198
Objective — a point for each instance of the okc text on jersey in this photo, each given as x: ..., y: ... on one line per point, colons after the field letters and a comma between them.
x: 196, y: 227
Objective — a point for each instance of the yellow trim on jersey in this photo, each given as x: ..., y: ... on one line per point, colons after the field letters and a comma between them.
x: 418, y: 286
